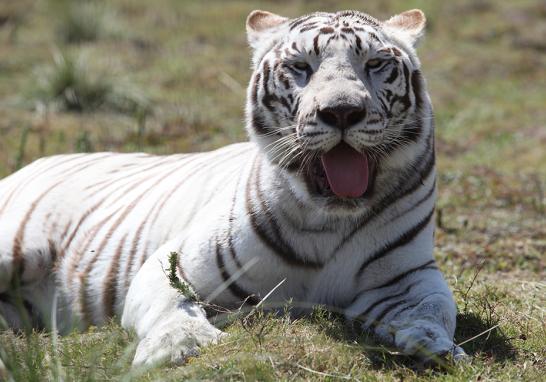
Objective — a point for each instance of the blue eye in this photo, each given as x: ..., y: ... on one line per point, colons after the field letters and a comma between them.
x: 301, y: 66
x: 374, y: 63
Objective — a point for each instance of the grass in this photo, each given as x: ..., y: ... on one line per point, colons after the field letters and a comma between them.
x: 70, y: 85
x: 81, y: 21
x: 484, y: 64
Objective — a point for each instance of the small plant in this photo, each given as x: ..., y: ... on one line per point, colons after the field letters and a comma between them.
x: 83, y: 20
x: 181, y: 286
x: 83, y: 143
x: 70, y: 84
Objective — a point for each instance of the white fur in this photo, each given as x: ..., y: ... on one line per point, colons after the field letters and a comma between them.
x: 198, y: 206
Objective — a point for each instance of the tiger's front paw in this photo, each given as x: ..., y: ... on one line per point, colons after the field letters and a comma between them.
x: 174, y: 345
x: 426, y: 340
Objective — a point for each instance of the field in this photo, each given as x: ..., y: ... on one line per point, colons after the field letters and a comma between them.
x: 170, y: 76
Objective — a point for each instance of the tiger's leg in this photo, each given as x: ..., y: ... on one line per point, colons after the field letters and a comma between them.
x: 415, y: 314
x: 170, y: 327
x: 10, y: 316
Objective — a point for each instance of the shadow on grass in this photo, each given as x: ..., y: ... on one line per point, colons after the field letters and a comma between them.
x: 481, y: 336
x: 335, y: 326
x: 493, y: 343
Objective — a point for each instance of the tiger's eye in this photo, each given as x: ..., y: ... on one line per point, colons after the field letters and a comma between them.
x: 302, y: 66
x: 374, y: 63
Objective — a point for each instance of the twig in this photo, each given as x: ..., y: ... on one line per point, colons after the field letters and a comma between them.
x: 222, y: 287
x: 268, y: 294
x: 54, y: 338
x: 346, y: 377
x: 478, y: 335
x: 465, y: 294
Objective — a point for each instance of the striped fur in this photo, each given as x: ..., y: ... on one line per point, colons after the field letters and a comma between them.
x: 95, y: 230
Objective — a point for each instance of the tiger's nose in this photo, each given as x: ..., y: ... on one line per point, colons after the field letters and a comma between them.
x: 342, y: 116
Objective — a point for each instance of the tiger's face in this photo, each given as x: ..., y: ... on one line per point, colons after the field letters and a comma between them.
x: 336, y: 99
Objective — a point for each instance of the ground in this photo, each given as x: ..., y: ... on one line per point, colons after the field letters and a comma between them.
x: 170, y: 76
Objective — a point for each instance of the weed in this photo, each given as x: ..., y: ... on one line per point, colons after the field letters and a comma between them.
x: 81, y: 21
x: 70, y: 84
x: 181, y: 286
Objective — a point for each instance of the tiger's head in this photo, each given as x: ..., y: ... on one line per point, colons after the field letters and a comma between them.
x: 337, y: 102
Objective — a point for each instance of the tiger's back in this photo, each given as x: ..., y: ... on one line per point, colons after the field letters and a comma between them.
x: 85, y: 223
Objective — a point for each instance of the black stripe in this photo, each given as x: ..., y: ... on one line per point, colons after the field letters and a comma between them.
x: 230, y: 225
x: 265, y: 71
x: 381, y: 301
x: 257, y: 119
x: 418, y: 203
x: 85, y: 291
x: 38, y: 171
x: 258, y: 123
x: 254, y: 95
x: 233, y: 287
x: 373, y: 36
x: 412, y: 131
x: 267, y: 228
x: 394, y: 280
x: 393, y: 76
x: 417, y: 83
x: 406, y: 186
x: 326, y: 30
x: 285, y: 103
x: 402, y: 240
x: 404, y: 99
x: 417, y: 303
x: 284, y: 80
x: 308, y: 27
x: 158, y: 206
x: 385, y: 311
x: 358, y: 43
x: 110, y: 283
x: 299, y: 21
x: 315, y: 45
x: 18, y: 260
x: 296, y: 107
x: 267, y: 98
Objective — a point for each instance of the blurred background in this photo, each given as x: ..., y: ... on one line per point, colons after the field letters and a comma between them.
x: 170, y: 76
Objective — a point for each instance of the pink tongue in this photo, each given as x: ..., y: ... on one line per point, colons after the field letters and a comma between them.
x: 346, y: 170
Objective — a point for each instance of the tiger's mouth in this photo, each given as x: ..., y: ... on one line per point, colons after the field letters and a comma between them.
x: 342, y: 173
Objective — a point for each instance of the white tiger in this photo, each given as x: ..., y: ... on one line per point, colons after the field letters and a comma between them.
x: 330, y: 203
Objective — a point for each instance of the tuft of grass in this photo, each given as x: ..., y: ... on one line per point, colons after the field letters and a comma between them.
x: 80, y: 21
x: 83, y: 143
x: 33, y: 357
x: 69, y: 84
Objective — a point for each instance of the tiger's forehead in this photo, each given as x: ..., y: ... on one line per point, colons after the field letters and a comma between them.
x: 358, y: 29
x: 342, y: 19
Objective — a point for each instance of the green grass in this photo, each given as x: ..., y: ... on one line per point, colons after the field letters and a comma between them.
x: 68, y: 84
x: 186, y: 63
x: 81, y: 21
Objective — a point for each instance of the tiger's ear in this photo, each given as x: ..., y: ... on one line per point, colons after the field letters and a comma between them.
x: 261, y: 26
x: 410, y: 23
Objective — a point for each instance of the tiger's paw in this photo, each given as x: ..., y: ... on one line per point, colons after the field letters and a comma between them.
x: 427, y: 341
x: 174, y: 345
